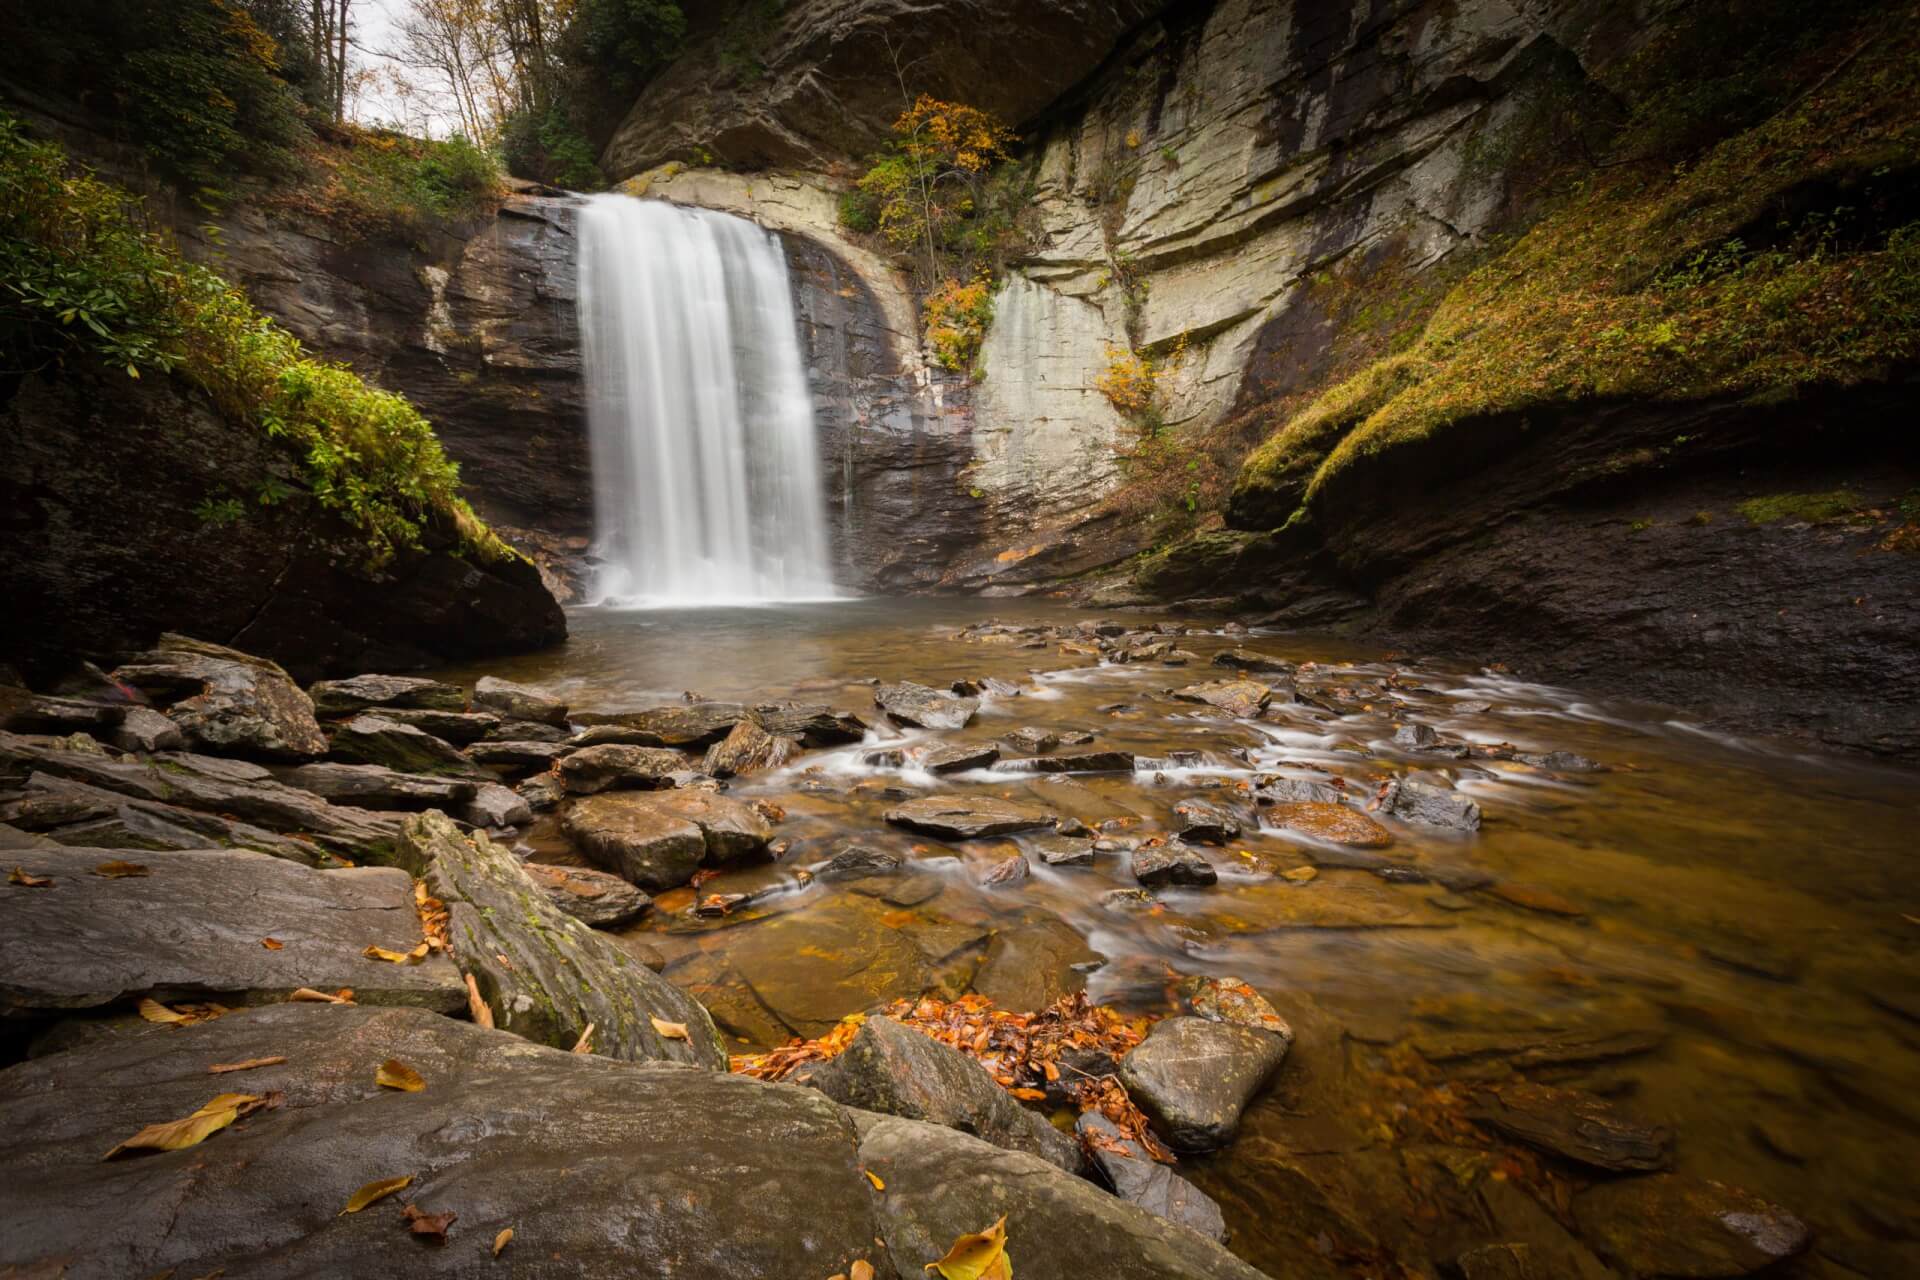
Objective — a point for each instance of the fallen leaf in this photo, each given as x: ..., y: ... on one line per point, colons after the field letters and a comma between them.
x: 342, y: 996
x: 395, y: 1074
x: 433, y: 1226
x: 121, y: 870
x: 414, y: 956
x: 500, y: 1241
x: 221, y: 1068
x: 1301, y: 874
x: 585, y: 1043
x: 374, y: 1192
x: 272, y: 944
x: 154, y: 1011
x: 861, y: 1270
x: 173, y: 1135
x: 482, y: 1015
x: 874, y: 1178
x: 20, y: 877
x: 980, y: 1256
x: 670, y: 1030
x: 1029, y: 1095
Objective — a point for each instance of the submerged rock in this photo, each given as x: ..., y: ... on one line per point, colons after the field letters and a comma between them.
x: 1172, y: 863
x: 855, y: 862
x: 1248, y: 660
x: 545, y: 975
x: 1006, y: 874
x: 1426, y: 805
x: 512, y: 701
x: 1670, y: 1225
x: 813, y: 967
x: 1193, y: 1077
x: 373, y: 786
x: 1030, y: 966
x: 927, y: 708
x: 1139, y: 1180
x: 372, y: 739
x: 967, y: 817
x: 346, y: 697
x: 191, y: 928
x: 592, y: 897
x: 1568, y: 1122
x: 1065, y: 851
x: 595, y: 769
x: 1032, y: 741
x: 897, y: 1071
x: 227, y: 701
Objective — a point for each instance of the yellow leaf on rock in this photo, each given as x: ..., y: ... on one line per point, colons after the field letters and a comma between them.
x: 478, y: 1008
x: 173, y: 1135
x: 120, y: 870
x: 272, y: 944
x: 862, y: 1270
x: 342, y: 996
x: 395, y: 1074
x: 153, y: 1011
x: 414, y: 956
x: 1301, y: 874
x: 585, y: 1043
x: 874, y: 1178
x: 500, y: 1241
x: 374, y: 1192
x: 980, y: 1256
x: 670, y: 1030
x: 221, y: 1068
x: 21, y: 877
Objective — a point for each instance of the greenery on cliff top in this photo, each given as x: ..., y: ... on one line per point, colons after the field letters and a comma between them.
x: 82, y: 272
x: 1786, y: 255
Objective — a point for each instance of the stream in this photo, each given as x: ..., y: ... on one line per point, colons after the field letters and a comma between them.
x: 1720, y: 934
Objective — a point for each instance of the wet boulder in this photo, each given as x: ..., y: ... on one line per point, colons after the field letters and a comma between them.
x: 1242, y: 698
x: 1669, y: 1225
x: 749, y: 748
x: 1560, y: 762
x: 1078, y: 762
x: 376, y: 740
x: 813, y: 724
x: 959, y: 757
x: 191, y: 927
x: 1193, y: 1077
x: 1204, y: 822
x: 358, y: 693
x: 856, y: 862
x: 658, y: 840
x: 372, y: 786
x: 897, y: 1071
x: 1326, y: 789
x: 1137, y: 1178
x: 496, y: 807
x: 683, y: 725
x: 1172, y: 863
x: 1232, y: 1000
x: 1249, y: 660
x: 1032, y: 741
x: 969, y: 817
x: 595, y: 769
x: 226, y: 701
x: 1570, y: 1123
x: 544, y: 974
x: 1333, y: 823
x: 1008, y: 873
x: 1064, y: 851
x: 1426, y: 805
x: 592, y: 897
x: 512, y: 701
x: 924, y: 707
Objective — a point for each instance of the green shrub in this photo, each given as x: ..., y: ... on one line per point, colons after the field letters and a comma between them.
x: 378, y: 181
x: 546, y: 147
x: 83, y: 273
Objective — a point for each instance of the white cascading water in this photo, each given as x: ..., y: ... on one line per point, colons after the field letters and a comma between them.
x: 706, y: 483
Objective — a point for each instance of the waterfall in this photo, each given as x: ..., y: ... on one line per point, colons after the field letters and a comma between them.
x: 706, y: 484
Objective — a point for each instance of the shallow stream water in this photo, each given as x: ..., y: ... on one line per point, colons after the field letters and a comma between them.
x: 1725, y: 931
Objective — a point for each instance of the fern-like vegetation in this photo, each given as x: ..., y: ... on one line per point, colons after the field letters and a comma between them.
x: 82, y: 276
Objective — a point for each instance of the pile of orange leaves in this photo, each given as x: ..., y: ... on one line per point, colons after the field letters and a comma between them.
x: 1023, y: 1052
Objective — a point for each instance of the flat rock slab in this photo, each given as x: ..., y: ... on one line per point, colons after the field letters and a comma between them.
x: 1204, y: 822
x: 373, y: 739
x: 457, y: 727
x: 74, y: 813
x: 603, y: 1170
x: 685, y: 726
x: 1332, y: 822
x: 372, y: 786
x: 897, y: 1071
x: 614, y: 765
x: 1580, y: 1126
x: 1242, y: 698
x: 192, y: 929
x: 1670, y: 1225
x: 227, y: 701
x: 1172, y: 863
x: 591, y: 897
x: 543, y: 973
x: 927, y: 708
x: 814, y: 967
x: 1426, y: 805
x: 960, y: 757
x: 1077, y: 762
x: 512, y: 701
x: 1030, y: 966
x: 519, y: 754
x: 1193, y: 1077
x: 968, y: 817
x: 357, y: 693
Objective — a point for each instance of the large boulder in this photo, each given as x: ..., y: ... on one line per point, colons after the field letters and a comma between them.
x: 227, y: 701
x: 1576, y: 1125
x: 512, y: 701
x: 544, y: 974
x: 373, y: 739
x: 591, y: 897
x: 896, y: 1070
x: 357, y: 693
x: 373, y: 786
x: 968, y: 817
x: 193, y: 927
x: 924, y: 707
x: 593, y: 769
x: 658, y: 840
x: 748, y: 748
x: 1194, y: 1076
x: 1138, y: 1179
x: 602, y: 1169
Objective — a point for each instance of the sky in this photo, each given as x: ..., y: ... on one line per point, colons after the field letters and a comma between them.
x: 375, y: 23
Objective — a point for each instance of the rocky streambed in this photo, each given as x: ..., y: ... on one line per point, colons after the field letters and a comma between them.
x: 1146, y: 933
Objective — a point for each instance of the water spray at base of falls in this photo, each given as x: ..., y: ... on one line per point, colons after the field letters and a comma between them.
x: 707, y: 486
